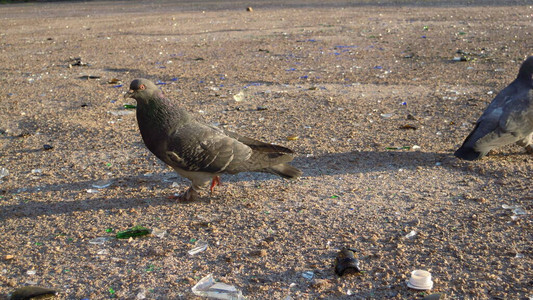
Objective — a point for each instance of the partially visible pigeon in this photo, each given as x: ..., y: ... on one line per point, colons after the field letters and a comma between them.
x: 198, y: 151
x: 508, y: 118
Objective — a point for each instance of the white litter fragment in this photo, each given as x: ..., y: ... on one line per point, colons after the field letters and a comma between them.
x: 207, y: 287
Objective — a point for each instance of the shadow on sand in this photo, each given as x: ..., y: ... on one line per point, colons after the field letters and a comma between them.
x: 327, y: 164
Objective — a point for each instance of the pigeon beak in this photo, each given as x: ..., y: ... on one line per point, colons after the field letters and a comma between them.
x: 129, y: 94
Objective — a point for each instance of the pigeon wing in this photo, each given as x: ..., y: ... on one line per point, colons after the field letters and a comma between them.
x: 200, y: 148
x: 263, y: 156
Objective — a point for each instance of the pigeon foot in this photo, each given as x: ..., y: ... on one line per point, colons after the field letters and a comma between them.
x: 216, y: 181
x: 529, y: 149
x: 188, y: 196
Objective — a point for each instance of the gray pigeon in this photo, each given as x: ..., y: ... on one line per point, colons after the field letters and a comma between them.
x: 508, y: 118
x: 198, y: 151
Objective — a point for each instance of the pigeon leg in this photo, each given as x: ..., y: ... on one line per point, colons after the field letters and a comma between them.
x: 216, y: 181
x: 527, y: 143
x: 189, y: 195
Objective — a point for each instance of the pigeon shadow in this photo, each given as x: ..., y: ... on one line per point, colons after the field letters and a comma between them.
x: 360, y: 162
x: 91, y: 203
x: 34, y: 209
x: 354, y: 162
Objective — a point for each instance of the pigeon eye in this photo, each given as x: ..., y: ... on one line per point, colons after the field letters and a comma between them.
x: 142, y: 87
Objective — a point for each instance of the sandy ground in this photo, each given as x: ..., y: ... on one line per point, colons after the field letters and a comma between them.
x: 353, y: 82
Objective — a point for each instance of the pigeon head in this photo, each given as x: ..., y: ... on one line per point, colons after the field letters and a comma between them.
x: 142, y: 89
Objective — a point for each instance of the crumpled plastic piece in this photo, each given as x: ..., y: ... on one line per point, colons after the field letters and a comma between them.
x: 207, y: 287
x: 200, y: 246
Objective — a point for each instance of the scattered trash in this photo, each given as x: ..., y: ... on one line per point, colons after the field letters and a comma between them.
x: 121, y: 112
x: 31, y: 292
x: 398, y: 148
x: 102, y: 184
x: 386, y: 116
x: 114, y: 81
x: 118, y: 86
x: 292, y: 138
x: 432, y: 297
x: 408, y: 126
x: 141, y: 294
x: 239, y: 97
x: 103, y: 252
x: 160, y: 233
x: 426, y: 28
x: 415, y: 147
x: 460, y: 58
x: 92, y: 191
x: 87, y: 77
x: 31, y: 272
x: 159, y: 82
x: 420, y: 280
x: 48, y: 147
x: 133, y: 232
x: 346, y: 263
x: 207, y: 287
x: 200, y: 246
x: 259, y: 108
x: 100, y: 240
x: 410, y: 234
x: 516, y: 209
x: 250, y: 9
x: 76, y: 61
x: 308, y: 275
x: 505, y: 206
x: 519, y: 255
x: 3, y: 172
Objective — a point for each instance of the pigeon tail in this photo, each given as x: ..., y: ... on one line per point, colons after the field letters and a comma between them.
x: 526, y: 70
x: 284, y: 170
x: 468, y: 153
